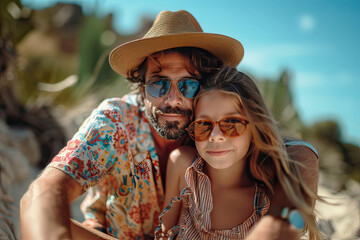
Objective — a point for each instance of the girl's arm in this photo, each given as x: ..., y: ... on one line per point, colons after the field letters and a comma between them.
x: 179, y: 160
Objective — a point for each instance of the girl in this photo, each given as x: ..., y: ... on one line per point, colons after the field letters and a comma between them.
x: 241, y: 160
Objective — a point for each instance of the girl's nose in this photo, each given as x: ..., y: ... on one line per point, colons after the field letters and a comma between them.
x: 216, y: 134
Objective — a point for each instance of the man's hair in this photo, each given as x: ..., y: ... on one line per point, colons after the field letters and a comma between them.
x: 201, y: 60
x: 267, y: 160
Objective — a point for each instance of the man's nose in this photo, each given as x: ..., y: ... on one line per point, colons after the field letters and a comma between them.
x: 216, y: 134
x: 174, y: 97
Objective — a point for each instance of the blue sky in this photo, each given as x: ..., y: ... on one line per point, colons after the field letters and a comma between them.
x: 317, y: 41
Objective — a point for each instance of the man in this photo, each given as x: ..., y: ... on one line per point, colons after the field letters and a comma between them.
x: 123, y: 147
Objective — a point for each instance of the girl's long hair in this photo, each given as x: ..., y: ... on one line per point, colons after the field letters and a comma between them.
x: 267, y: 158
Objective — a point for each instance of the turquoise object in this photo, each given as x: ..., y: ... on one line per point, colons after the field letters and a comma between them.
x: 296, y: 219
x: 284, y: 212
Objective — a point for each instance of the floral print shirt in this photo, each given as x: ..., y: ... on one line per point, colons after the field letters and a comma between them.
x: 114, y: 150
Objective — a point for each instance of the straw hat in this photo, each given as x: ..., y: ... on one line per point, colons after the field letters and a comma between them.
x: 170, y: 30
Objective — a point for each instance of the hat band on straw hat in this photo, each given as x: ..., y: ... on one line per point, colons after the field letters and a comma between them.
x: 171, y: 30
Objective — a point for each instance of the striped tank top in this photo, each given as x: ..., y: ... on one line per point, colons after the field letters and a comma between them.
x: 195, y: 223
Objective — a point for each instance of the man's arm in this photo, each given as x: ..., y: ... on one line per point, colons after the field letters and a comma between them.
x: 307, y: 157
x: 45, y: 207
x: 179, y: 160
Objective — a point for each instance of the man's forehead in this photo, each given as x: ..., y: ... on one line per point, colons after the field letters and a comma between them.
x: 172, y: 62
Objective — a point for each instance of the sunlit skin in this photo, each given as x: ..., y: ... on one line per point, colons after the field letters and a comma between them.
x: 220, y: 151
x: 170, y: 114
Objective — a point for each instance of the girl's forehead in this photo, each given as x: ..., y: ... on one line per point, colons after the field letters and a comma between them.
x: 215, y: 103
x: 218, y: 95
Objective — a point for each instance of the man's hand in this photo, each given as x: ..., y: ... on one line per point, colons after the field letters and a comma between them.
x: 273, y: 228
x: 81, y: 232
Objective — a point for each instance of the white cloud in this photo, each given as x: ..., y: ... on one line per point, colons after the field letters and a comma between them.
x: 254, y: 60
x: 268, y: 58
x: 310, y: 79
x: 307, y: 22
x: 330, y: 79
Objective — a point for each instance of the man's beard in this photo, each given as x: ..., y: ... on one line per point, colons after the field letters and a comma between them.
x: 169, y: 130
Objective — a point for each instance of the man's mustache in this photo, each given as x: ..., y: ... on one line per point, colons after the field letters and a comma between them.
x: 175, y: 110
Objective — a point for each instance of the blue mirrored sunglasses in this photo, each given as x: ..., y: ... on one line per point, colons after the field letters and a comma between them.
x: 189, y: 87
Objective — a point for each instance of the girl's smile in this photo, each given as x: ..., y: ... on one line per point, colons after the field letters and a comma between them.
x: 218, y: 153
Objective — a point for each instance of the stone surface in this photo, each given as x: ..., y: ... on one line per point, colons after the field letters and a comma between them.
x: 339, y: 218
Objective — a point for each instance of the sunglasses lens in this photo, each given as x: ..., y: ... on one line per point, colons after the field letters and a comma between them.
x: 200, y: 130
x: 157, y: 88
x: 189, y: 88
x: 232, y: 127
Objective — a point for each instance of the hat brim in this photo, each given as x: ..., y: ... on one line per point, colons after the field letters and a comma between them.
x: 130, y: 55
